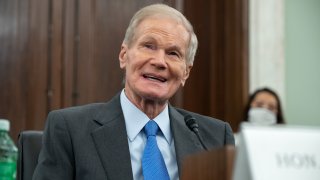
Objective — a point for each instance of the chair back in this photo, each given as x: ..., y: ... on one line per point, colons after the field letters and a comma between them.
x: 29, y: 145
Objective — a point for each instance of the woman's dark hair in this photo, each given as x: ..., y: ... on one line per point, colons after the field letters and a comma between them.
x: 280, y: 117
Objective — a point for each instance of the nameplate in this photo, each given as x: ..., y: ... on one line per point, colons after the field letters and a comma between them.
x: 277, y: 153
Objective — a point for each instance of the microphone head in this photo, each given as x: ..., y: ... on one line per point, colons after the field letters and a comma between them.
x: 191, y: 122
x: 193, y: 126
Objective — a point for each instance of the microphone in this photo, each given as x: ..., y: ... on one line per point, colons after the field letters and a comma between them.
x: 193, y: 126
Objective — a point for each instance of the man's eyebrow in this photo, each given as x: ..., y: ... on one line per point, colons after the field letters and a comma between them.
x: 148, y: 38
x: 171, y: 46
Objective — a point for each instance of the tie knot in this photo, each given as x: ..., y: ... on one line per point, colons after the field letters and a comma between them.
x: 151, y: 128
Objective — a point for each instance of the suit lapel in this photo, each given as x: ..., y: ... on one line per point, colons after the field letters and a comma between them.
x: 111, y: 141
x: 185, y: 140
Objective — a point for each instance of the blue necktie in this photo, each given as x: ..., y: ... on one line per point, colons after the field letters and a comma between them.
x: 153, y: 166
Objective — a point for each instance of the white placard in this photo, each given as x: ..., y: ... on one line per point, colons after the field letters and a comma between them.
x: 277, y: 153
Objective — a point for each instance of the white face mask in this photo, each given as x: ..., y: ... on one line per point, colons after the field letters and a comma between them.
x: 261, y: 116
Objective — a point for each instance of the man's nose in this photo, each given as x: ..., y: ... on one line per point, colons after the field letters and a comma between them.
x: 159, y: 60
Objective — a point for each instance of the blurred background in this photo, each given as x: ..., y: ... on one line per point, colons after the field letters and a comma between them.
x: 57, y: 53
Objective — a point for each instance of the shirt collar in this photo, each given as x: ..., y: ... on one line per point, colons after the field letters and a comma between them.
x: 135, y: 119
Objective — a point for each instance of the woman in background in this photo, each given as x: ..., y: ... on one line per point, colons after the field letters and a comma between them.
x: 264, y: 108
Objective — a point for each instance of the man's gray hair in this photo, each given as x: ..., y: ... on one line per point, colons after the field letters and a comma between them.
x: 163, y: 10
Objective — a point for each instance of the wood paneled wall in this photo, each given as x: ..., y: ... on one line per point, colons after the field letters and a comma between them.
x: 23, y: 63
x: 218, y: 85
x: 56, y: 53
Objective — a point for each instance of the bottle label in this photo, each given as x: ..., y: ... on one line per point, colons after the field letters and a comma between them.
x: 7, y: 170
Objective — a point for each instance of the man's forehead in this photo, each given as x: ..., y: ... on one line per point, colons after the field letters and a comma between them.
x: 160, y: 22
x: 171, y: 30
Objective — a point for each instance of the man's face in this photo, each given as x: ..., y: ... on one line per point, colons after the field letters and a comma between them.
x: 155, y: 61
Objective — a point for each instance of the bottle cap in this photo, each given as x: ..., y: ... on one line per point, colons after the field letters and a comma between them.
x: 4, y: 125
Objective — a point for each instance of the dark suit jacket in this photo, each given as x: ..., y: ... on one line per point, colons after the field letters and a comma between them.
x: 90, y: 142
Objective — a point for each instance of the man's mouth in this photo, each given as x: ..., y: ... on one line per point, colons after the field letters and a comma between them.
x: 154, y: 78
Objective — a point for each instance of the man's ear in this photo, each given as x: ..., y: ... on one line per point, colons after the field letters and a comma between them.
x: 123, y: 56
x: 186, y: 74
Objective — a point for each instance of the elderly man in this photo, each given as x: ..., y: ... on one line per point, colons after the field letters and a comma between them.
x: 137, y: 134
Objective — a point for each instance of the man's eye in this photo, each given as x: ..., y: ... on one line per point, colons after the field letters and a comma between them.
x: 149, y: 46
x: 173, y: 53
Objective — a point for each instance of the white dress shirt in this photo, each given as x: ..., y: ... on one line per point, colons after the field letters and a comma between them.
x: 135, y: 121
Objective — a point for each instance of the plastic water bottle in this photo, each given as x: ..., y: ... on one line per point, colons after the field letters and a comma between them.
x: 8, y: 153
